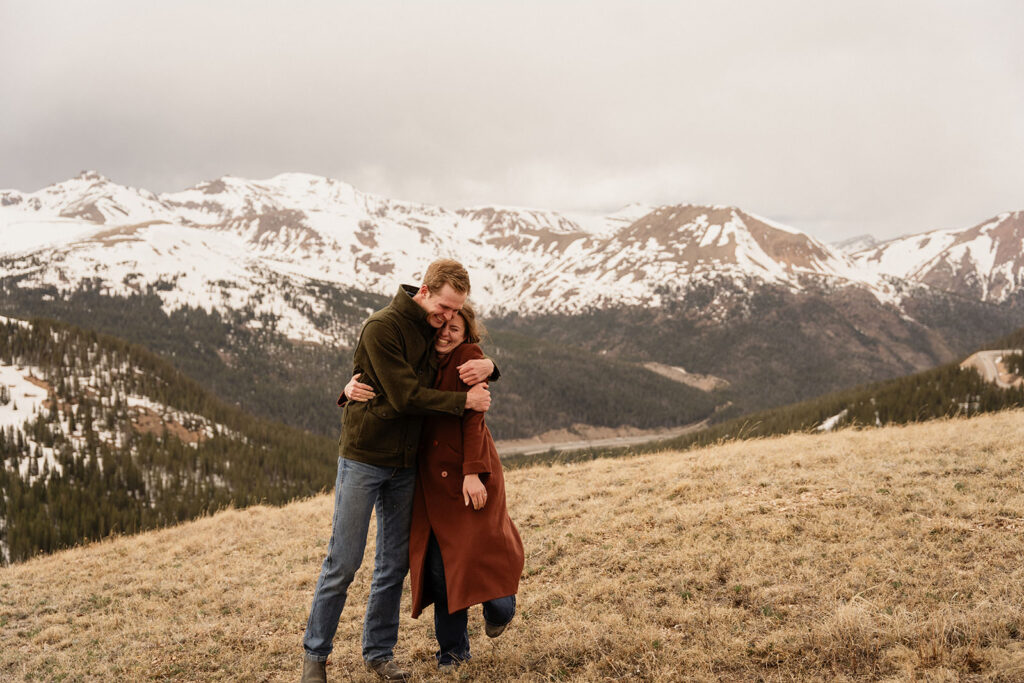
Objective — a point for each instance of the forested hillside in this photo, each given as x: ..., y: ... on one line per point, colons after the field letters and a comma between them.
x: 777, y: 348
x: 945, y: 391
x: 100, y: 436
x: 546, y: 382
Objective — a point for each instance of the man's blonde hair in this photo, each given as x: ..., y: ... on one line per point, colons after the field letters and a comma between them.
x: 443, y: 272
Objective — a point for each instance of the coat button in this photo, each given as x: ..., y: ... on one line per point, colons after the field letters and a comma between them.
x: 444, y: 474
x: 435, y: 443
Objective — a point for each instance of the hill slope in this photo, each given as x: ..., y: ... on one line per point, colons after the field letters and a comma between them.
x: 890, y: 553
x: 950, y: 390
x: 98, y: 436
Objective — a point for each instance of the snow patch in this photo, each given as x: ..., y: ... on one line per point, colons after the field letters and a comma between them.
x: 830, y: 424
x: 25, y: 397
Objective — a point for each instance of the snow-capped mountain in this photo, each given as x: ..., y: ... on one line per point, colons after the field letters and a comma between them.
x: 985, y: 262
x: 857, y: 243
x: 665, y: 251
x: 713, y: 289
x: 90, y: 197
x: 234, y: 242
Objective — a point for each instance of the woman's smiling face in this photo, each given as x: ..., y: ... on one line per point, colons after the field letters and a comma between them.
x: 451, y: 335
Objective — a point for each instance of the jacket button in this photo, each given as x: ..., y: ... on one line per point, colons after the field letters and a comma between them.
x: 444, y: 474
x: 435, y: 443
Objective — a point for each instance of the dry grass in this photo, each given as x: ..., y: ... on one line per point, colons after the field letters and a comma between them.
x: 890, y: 554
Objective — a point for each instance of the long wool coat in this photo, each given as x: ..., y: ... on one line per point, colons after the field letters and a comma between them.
x: 481, y: 549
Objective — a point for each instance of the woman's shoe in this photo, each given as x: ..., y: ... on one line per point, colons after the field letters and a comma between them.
x: 492, y: 630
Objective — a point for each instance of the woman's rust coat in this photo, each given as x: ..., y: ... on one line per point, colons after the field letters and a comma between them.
x: 482, y: 551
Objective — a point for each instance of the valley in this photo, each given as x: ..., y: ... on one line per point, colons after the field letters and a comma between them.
x: 254, y: 290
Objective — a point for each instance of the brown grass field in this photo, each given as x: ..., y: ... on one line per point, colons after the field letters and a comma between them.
x: 889, y: 554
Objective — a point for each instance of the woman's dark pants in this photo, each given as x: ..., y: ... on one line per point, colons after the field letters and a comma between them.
x: 450, y: 629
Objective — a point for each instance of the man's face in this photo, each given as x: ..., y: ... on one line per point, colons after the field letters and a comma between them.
x: 441, y: 305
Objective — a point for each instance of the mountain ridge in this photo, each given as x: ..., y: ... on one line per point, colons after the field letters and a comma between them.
x: 715, y: 289
x: 293, y: 219
x: 524, y: 260
x: 985, y: 260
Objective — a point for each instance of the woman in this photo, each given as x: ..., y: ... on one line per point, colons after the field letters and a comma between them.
x: 463, y: 548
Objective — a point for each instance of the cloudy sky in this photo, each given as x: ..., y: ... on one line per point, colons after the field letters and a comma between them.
x: 836, y: 117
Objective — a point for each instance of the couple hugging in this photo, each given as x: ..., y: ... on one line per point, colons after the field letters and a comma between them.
x: 414, y: 447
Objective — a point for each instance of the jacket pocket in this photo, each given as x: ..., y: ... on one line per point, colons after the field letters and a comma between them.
x: 351, y: 422
x: 379, y: 428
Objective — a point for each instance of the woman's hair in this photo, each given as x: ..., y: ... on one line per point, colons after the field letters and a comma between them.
x: 475, y: 329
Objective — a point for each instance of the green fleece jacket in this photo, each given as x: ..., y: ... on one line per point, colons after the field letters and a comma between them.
x: 394, y: 356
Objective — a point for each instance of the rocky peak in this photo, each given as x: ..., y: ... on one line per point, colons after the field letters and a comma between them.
x: 90, y: 175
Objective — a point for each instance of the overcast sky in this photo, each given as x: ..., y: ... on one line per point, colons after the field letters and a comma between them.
x: 836, y: 117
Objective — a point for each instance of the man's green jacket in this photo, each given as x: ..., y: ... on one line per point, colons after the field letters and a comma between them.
x: 394, y: 356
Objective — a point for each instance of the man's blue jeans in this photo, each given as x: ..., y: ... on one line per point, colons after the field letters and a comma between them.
x: 361, y: 488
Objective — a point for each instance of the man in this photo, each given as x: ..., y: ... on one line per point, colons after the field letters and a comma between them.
x: 376, y: 467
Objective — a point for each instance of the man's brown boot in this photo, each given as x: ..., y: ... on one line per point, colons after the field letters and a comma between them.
x: 387, y: 670
x: 314, y: 671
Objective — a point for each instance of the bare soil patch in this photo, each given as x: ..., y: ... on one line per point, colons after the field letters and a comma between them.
x: 147, y: 421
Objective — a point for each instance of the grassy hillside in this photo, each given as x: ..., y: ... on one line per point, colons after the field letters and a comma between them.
x: 879, y: 554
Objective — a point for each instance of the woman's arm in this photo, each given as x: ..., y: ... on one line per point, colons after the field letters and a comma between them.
x: 474, y: 444
x: 356, y: 391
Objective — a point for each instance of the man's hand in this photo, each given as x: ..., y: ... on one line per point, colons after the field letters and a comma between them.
x: 357, y: 391
x: 473, y: 491
x: 475, y: 371
x: 478, y: 398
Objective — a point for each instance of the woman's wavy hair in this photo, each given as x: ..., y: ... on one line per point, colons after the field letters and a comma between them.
x: 475, y: 330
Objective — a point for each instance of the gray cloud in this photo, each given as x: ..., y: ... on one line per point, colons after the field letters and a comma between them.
x: 836, y: 117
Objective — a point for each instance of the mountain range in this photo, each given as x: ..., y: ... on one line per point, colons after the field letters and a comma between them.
x: 713, y: 289
x: 252, y: 292
x: 223, y: 241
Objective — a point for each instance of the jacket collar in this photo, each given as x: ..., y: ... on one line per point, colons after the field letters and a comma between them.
x: 442, y: 363
x: 405, y: 306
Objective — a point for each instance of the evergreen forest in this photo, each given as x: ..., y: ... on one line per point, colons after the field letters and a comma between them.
x: 945, y: 391
x: 125, y: 442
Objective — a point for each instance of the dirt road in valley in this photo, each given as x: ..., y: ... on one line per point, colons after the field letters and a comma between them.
x: 535, y: 446
x: 988, y: 363
x: 990, y: 366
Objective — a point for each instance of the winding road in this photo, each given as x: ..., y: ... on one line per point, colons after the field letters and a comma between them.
x: 513, y: 448
x: 989, y: 365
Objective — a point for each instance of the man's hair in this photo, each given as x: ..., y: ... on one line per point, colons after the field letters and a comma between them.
x: 445, y: 271
x: 475, y: 329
